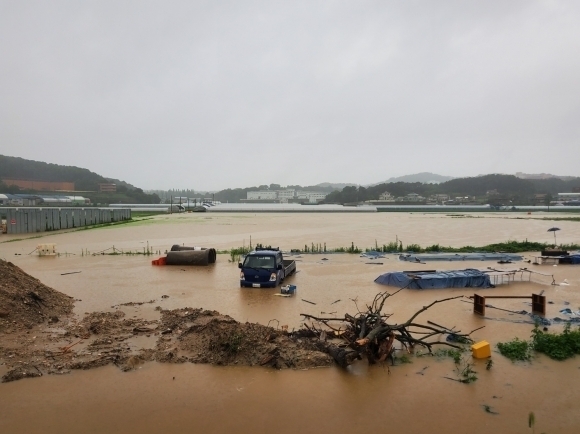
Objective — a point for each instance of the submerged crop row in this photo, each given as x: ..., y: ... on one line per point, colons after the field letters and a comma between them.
x: 510, y: 246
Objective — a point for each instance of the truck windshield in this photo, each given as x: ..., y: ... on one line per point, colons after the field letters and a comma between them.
x: 259, y: 262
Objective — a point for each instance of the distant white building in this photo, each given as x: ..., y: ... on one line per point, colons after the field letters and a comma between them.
x: 413, y: 197
x: 262, y: 195
x: 386, y: 197
x: 311, y: 196
x: 286, y: 195
x: 439, y: 198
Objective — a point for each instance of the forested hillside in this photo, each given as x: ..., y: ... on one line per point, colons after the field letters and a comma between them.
x: 508, y: 187
x: 20, y: 168
x: 84, y: 180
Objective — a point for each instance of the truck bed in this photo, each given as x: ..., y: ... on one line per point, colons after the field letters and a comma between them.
x: 289, y: 266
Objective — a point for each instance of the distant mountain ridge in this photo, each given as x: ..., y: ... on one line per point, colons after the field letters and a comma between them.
x: 423, y: 183
x: 422, y: 177
x: 496, y: 189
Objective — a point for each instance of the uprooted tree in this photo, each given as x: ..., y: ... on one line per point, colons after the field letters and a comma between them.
x: 368, y: 333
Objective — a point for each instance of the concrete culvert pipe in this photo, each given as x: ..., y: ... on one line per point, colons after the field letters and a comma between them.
x: 178, y: 248
x: 191, y: 257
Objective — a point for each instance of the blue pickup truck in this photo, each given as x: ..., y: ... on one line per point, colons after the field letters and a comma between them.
x: 265, y: 268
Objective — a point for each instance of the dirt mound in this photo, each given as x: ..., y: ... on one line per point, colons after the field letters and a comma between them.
x: 202, y: 336
x: 25, y: 301
x: 181, y: 335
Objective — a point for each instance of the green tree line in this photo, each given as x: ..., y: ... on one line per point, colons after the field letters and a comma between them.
x: 507, y: 186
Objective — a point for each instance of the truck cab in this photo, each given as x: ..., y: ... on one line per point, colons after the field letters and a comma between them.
x: 265, y: 268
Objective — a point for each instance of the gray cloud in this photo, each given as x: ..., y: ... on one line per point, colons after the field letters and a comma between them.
x: 208, y: 95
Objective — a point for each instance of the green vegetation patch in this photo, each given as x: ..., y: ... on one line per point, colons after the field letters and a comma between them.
x: 560, y: 346
x: 557, y: 346
x: 453, y: 353
x: 516, y: 350
x: 510, y: 246
x: 321, y: 248
x: 238, y: 252
x: 404, y: 359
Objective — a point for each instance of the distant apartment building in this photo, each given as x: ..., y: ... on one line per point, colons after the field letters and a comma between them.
x: 107, y: 188
x: 31, y: 184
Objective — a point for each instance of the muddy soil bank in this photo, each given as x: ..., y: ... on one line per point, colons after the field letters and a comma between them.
x: 181, y: 335
x: 38, y: 335
x: 25, y: 301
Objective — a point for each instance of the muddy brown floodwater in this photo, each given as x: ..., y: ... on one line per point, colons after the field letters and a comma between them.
x: 412, y: 397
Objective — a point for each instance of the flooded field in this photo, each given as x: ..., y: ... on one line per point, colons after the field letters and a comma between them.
x: 412, y: 397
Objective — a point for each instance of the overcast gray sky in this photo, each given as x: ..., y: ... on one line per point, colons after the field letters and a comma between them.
x: 215, y: 94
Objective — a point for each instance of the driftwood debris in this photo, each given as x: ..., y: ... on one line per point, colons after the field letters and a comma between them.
x: 369, y: 334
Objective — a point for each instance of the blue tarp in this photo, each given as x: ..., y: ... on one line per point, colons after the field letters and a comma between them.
x: 570, y: 259
x: 468, y: 278
x: 460, y: 257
